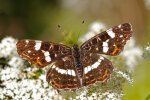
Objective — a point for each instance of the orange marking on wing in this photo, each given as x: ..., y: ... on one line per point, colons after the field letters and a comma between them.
x: 91, y: 80
x: 71, y: 84
x: 56, y: 83
x: 104, y: 75
x: 38, y: 62
x: 116, y: 48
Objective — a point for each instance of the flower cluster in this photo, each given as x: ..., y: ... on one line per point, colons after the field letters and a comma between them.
x: 19, y: 80
x: 7, y: 47
x: 132, y: 54
x: 16, y: 78
x: 146, y: 53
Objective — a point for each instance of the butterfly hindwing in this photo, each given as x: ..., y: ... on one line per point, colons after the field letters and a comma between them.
x: 109, y: 42
x: 96, y: 69
x: 41, y: 53
x: 63, y: 75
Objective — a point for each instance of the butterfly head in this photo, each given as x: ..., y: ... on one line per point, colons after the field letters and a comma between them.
x: 76, y: 49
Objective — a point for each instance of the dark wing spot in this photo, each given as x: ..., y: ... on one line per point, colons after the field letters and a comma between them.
x: 52, y: 55
x: 94, y: 41
x: 104, y: 36
x: 126, y: 27
x: 56, y: 47
x: 31, y: 44
x: 45, y: 46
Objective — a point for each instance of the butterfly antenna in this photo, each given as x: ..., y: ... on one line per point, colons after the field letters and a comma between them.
x: 80, y: 31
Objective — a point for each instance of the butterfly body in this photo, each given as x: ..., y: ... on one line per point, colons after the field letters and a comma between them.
x: 77, y: 59
x: 75, y: 67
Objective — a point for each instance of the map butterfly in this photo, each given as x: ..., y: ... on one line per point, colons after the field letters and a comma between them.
x: 75, y: 67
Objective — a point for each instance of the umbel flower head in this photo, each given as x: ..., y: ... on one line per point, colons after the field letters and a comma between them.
x: 19, y: 80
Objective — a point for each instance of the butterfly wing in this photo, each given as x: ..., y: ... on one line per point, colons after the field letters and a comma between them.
x: 63, y: 75
x: 40, y: 52
x: 96, y: 69
x: 109, y: 42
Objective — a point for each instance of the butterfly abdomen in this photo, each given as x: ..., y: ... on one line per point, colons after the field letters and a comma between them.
x: 78, y: 64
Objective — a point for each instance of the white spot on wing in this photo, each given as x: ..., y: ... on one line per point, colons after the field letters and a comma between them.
x: 29, y: 51
x: 111, y: 33
x: 121, y: 35
x: 87, y: 69
x: 38, y: 45
x: 27, y: 41
x: 73, y: 73
x: 102, y: 58
x: 53, y: 66
x: 97, y: 48
x: 46, y: 54
x: 69, y: 72
x: 107, y: 40
x: 64, y: 59
x: 99, y: 60
x: 105, y: 44
x: 43, y: 51
x: 48, y: 59
x: 57, y: 68
x: 119, y: 26
x: 55, y: 55
x: 105, y: 49
x: 63, y: 71
x: 94, y: 66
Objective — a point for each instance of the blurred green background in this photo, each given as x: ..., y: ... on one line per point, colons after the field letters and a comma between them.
x: 38, y: 19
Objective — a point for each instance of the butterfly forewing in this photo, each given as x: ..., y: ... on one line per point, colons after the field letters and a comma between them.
x: 41, y: 53
x: 109, y: 42
x: 63, y: 75
x: 96, y: 69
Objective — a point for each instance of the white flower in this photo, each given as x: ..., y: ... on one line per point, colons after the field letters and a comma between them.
x: 96, y: 27
x: 7, y: 47
x: 9, y: 73
x: 87, y: 36
x: 147, y: 3
x: 82, y: 95
x: 132, y: 54
x: 24, y: 89
x: 10, y: 93
x: 146, y: 53
x: 127, y: 77
x: 16, y: 62
x: 27, y: 88
x: 147, y: 48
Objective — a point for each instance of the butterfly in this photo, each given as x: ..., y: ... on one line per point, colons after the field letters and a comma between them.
x: 75, y: 67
